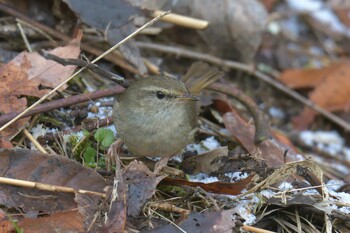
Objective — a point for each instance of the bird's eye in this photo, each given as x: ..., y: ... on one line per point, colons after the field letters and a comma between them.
x: 160, y: 95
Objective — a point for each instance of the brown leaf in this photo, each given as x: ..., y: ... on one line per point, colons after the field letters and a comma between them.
x: 208, y: 162
x: 216, y: 222
x: 142, y: 185
x: 343, y: 14
x: 115, y: 20
x: 331, y: 88
x: 24, y: 74
x: 271, y: 151
x: 49, y: 169
x: 5, y: 144
x: 69, y: 221
x: 237, y: 25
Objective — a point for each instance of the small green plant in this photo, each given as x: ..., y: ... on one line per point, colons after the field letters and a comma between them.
x: 87, y: 150
x: 105, y: 137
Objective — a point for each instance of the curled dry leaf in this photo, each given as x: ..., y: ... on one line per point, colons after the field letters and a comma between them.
x: 331, y: 88
x: 25, y: 73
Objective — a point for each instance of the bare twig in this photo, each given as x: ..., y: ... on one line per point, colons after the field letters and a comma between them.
x: 82, y: 63
x: 249, y: 69
x: 255, y: 229
x: 34, y: 141
x: 81, y: 69
x: 46, y: 187
x: 24, y: 37
x: 64, y: 103
x: 182, y: 20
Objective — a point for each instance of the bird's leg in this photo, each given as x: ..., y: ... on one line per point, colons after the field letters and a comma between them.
x: 114, y: 150
x: 162, y: 163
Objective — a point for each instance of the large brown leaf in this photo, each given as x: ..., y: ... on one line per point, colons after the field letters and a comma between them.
x: 25, y: 73
x: 49, y: 169
x: 331, y: 88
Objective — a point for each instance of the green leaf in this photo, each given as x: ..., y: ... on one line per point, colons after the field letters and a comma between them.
x: 105, y: 137
x: 89, y: 155
x: 86, y: 133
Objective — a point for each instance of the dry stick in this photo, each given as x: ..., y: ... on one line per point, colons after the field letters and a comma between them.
x: 120, y: 62
x: 34, y: 141
x: 255, y: 229
x: 46, y: 187
x: 55, y: 104
x: 249, y: 69
x: 182, y: 20
x: 80, y: 70
x: 82, y: 63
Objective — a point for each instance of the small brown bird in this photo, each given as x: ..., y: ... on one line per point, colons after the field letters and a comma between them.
x: 157, y: 116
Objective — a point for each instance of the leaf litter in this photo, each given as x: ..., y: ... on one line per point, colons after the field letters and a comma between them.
x: 270, y: 185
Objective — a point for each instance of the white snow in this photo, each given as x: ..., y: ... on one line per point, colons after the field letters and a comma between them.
x: 207, y: 145
x: 203, y: 178
x: 320, y: 12
x: 277, y: 113
x: 328, y: 141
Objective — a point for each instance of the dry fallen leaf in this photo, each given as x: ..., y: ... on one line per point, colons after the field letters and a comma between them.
x: 331, y: 88
x: 33, y: 166
x: 271, y: 151
x: 69, y: 221
x: 25, y: 74
x: 225, y: 35
x: 214, y: 221
x: 142, y: 185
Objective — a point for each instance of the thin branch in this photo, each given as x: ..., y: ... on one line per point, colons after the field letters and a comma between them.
x: 249, y: 69
x: 46, y: 187
x: 49, y: 106
x: 82, y: 63
x: 182, y: 20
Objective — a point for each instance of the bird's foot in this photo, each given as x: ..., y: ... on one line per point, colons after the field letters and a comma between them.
x: 161, y: 166
x: 113, y: 152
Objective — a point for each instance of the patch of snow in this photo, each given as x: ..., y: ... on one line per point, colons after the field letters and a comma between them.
x: 274, y: 28
x: 203, y: 178
x: 328, y: 141
x: 344, y: 209
x: 285, y: 186
x: 311, y: 191
x: 343, y: 197
x: 112, y: 128
x: 321, y: 13
x: 38, y: 130
x: 237, y: 175
x: 177, y: 158
x: 268, y: 193
x: 341, y: 168
x: 334, y: 184
x: 245, y: 209
x: 277, y: 113
x: 206, y: 145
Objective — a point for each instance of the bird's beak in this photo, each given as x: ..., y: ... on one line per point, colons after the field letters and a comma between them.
x: 188, y: 96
